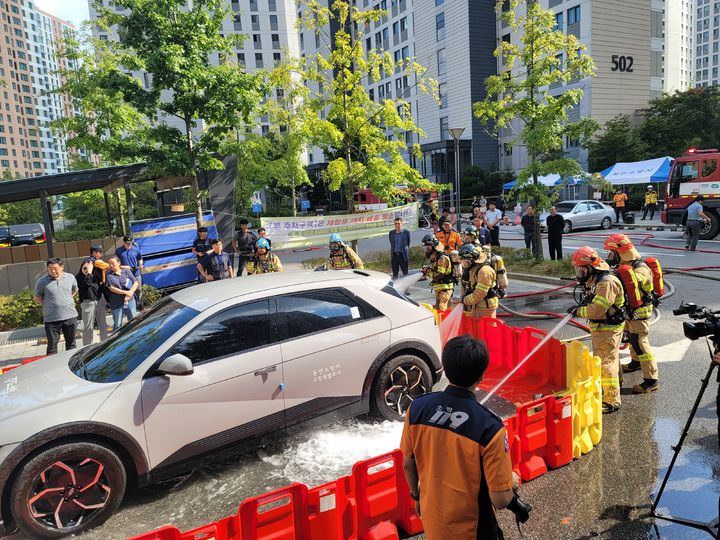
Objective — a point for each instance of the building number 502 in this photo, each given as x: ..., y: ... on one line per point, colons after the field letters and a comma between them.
x: 622, y: 63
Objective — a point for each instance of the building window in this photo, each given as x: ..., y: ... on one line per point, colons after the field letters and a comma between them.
x: 272, y: 6
x: 440, y: 26
x: 258, y: 60
x: 442, y: 93
x: 573, y: 15
x: 439, y: 2
x: 241, y: 59
x: 237, y: 21
x: 558, y: 21
x: 405, y: 53
x: 255, y: 19
x: 253, y: 5
x: 441, y: 65
x: 257, y: 41
x: 273, y: 23
x: 656, y: 68
x: 656, y: 24
x: 444, y: 135
x: 275, y: 41
x: 276, y: 59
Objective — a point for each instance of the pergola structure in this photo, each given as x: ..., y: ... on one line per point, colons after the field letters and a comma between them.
x: 42, y: 187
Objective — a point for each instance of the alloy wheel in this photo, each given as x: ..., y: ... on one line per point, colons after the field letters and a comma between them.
x: 404, y: 384
x: 69, y: 492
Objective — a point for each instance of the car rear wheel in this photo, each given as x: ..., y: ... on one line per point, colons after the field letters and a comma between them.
x: 398, y: 383
x: 567, y: 228
x: 67, y: 489
x: 605, y: 223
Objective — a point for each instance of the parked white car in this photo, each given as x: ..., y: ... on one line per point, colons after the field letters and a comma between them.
x: 212, y: 368
x: 586, y: 214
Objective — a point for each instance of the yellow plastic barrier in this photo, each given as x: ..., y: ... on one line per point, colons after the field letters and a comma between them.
x: 583, y: 380
x: 432, y: 310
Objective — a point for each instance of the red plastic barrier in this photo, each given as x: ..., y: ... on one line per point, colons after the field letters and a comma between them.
x: 533, y: 438
x: 328, y: 515
x: 560, y: 432
x: 382, y: 495
x: 513, y: 444
x: 265, y: 517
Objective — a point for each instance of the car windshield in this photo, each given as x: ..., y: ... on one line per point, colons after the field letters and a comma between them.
x: 565, y: 207
x: 116, y: 357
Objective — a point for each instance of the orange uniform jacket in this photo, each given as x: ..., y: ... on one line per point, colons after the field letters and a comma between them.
x: 451, y: 241
x: 461, y: 452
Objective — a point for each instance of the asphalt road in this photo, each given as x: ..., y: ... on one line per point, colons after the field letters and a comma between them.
x: 605, y: 494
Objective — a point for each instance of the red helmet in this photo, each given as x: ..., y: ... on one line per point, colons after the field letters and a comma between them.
x: 618, y: 242
x: 587, y: 256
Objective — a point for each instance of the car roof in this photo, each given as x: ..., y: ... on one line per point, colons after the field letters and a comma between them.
x: 27, y: 227
x: 218, y: 291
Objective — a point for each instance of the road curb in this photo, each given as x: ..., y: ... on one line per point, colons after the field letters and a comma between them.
x: 538, y: 279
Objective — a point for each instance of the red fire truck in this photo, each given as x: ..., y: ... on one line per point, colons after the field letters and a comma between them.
x: 695, y: 173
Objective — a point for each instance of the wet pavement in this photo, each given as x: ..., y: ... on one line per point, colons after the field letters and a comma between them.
x: 605, y: 494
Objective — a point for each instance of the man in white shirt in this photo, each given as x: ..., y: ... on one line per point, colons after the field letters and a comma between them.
x: 492, y: 220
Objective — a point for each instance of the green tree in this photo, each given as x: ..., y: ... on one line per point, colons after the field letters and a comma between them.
x: 618, y: 141
x: 673, y: 123
x: 189, y: 103
x: 546, y: 56
x: 347, y: 124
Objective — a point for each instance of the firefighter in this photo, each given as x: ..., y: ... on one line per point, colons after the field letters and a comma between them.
x: 342, y: 256
x: 439, y: 271
x: 480, y: 292
x: 264, y: 261
x: 497, y: 263
x: 449, y: 238
x: 621, y: 251
x: 604, y: 308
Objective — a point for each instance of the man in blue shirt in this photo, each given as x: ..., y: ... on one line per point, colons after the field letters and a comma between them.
x: 399, y: 248
x: 695, y: 216
x: 131, y: 258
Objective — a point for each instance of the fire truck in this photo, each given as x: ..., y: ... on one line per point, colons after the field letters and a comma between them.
x: 695, y: 173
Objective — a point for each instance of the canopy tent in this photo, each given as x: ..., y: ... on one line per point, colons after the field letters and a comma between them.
x: 638, y: 172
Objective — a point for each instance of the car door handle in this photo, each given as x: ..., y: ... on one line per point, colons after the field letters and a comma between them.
x: 265, y: 371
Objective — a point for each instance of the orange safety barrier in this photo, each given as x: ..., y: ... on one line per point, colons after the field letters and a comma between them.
x: 265, y: 517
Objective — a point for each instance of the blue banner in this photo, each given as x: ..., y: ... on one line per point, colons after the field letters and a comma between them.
x: 163, y: 235
x: 170, y: 270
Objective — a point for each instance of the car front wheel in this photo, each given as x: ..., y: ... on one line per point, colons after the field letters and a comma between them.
x: 67, y: 489
x: 567, y: 228
x: 398, y: 383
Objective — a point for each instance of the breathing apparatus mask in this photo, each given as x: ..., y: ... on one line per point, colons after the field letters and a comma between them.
x: 613, y: 258
x: 335, y: 248
x: 582, y: 274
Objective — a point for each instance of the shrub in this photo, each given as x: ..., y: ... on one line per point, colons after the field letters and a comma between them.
x: 19, y: 311
x: 150, y: 295
x: 74, y: 233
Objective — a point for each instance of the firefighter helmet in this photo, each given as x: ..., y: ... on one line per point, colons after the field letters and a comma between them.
x: 618, y: 242
x: 470, y: 252
x: 335, y: 237
x: 587, y: 256
x: 471, y: 230
x: 650, y: 188
x: 262, y: 243
x: 430, y: 240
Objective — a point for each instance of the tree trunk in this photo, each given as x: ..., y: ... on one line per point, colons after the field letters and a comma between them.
x: 294, y: 197
x: 194, y: 183
x: 121, y: 215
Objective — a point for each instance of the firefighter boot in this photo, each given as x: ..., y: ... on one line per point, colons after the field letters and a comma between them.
x: 645, y: 387
x: 634, y: 365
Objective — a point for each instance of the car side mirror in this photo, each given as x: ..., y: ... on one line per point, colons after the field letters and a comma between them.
x: 176, y: 364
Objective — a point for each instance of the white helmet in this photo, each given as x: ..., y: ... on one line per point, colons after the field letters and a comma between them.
x: 650, y: 188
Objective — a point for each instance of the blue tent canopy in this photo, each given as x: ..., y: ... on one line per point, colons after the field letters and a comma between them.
x: 638, y: 172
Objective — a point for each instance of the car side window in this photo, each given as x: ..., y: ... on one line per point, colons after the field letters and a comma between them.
x: 709, y: 166
x: 304, y: 313
x: 582, y: 207
x: 595, y: 206
x: 232, y: 331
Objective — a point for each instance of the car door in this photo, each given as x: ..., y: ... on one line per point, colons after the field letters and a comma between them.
x: 596, y: 214
x: 581, y: 215
x: 234, y: 393
x: 329, y: 340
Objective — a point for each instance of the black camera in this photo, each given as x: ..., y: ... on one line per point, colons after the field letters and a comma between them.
x: 520, y: 508
x: 710, y: 326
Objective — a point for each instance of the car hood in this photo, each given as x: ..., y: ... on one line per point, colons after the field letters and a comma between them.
x: 35, y: 387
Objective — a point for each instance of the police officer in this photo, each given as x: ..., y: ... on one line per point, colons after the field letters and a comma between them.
x: 650, y: 203
x: 497, y: 263
x: 342, y: 256
x: 216, y: 264
x: 480, y: 294
x: 264, y: 261
x: 622, y: 251
x: 201, y: 247
x: 439, y: 271
x: 605, y: 311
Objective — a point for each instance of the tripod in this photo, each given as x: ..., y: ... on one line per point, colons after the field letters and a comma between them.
x: 710, y: 526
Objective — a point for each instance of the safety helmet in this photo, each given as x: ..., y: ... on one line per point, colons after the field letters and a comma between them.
x: 430, y: 240
x: 471, y: 230
x: 262, y: 243
x: 96, y: 247
x: 335, y: 237
x: 618, y: 242
x: 587, y: 256
x: 650, y: 188
x: 470, y: 252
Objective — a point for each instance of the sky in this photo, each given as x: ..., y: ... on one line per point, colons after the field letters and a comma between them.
x: 75, y: 11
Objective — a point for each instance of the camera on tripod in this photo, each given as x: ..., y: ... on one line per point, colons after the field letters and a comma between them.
x: 695, y: 330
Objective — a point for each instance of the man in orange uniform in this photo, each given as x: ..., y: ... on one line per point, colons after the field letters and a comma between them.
x: 619, y: 199
x: 449, y: 238
x: 456, y: 458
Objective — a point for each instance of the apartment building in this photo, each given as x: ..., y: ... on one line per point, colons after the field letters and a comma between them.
x: 29, y: 40
x: 641, y: 48
x: 707, y: 42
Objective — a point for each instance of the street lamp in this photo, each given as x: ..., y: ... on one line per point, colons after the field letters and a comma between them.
x: 456, y: 133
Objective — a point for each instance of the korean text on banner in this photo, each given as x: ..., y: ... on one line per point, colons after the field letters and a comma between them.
x: 300, y: 232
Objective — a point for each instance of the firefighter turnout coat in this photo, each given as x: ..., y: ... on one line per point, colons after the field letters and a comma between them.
x: 480, y: 294
x: 345, y: 258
